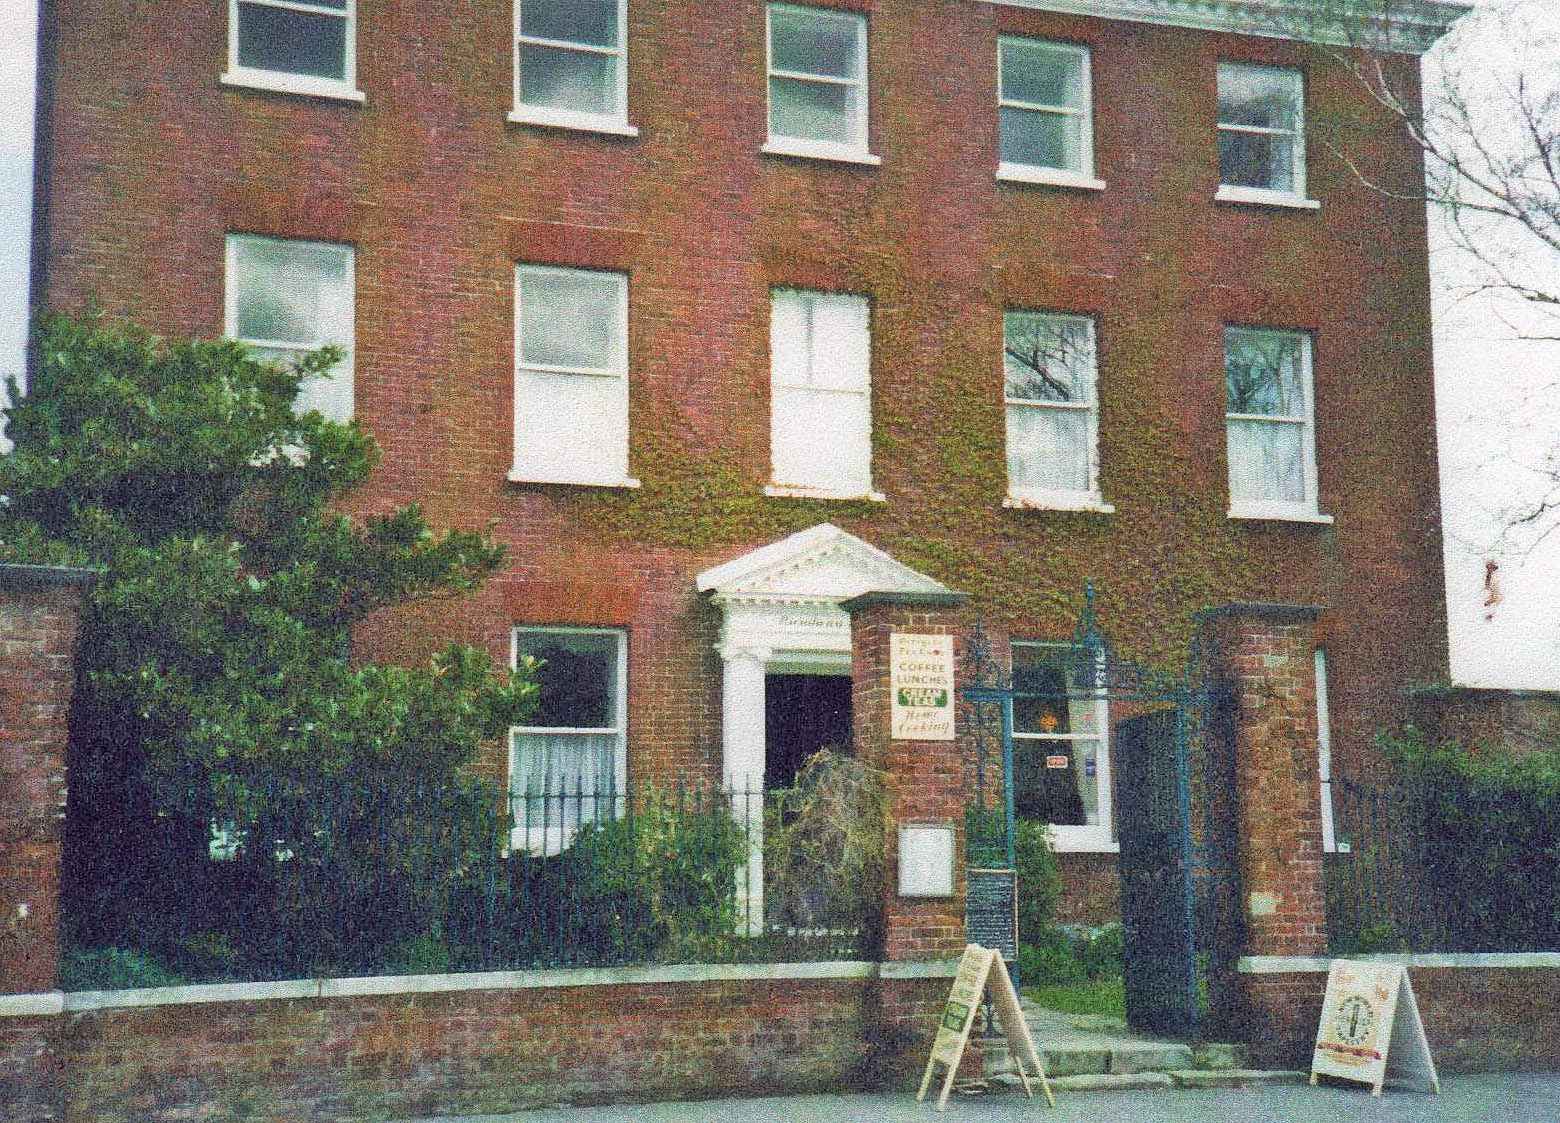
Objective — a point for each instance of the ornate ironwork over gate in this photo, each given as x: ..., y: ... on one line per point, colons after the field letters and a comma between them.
x: 1173, y: 808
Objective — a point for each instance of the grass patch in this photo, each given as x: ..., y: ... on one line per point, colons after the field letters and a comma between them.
x: 1087, y: 996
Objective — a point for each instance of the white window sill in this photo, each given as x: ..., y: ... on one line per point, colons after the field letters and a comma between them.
x: 1279, y: 512
x: 819, y: 150
x: 281, y: 82
x: 1057, y: 501
x: 581, y: 122
x: 518, y: 477
x: 1263, y: 197
x: 781, y: 491
x: 1083, y: 844
x: 1050, y: 177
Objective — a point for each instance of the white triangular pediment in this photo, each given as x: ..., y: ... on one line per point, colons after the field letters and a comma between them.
x: 823, y: 563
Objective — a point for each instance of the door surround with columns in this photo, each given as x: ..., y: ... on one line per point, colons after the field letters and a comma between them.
x: 781, y: 614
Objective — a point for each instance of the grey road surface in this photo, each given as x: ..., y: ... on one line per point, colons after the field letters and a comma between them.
x: 1464, y: 1099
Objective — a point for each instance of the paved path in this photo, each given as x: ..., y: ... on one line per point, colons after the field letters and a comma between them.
x: 1465, y: 1099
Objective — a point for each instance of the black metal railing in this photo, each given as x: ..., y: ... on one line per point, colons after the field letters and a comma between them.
x: 1440, y: 868
x: 346, y: 877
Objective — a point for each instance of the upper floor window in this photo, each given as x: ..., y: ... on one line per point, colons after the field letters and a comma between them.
x: 571, y: 377
x: 1045, y: 113
x: 571, y: 64
x: 1261, y: 134
x: 295, y: 46
x: 1061, y: 760
x: 818, y: 83
x: 821, y: 405
x: 1268, y: 421
x: 1052, y: 411
x: 566, y: 767
x: 286, y: 298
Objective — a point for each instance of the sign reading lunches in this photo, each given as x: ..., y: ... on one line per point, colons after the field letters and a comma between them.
x: 920, y: 680
x: 1370, y: 1029
x: 979, y: 968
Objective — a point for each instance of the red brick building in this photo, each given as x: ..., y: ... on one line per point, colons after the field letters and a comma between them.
x: 724, y: 313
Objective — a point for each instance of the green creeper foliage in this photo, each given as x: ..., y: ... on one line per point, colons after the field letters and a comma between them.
x: 214, y: 650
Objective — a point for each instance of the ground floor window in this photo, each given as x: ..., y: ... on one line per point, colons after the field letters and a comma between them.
x: 565, y: 767
x: 1061, y: 764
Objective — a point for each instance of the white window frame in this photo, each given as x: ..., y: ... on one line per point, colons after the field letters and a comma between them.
x: 791, y: 488
x: 613, y: 123
x: 1305, y: 510
x: 1082, y: 176
x: 1089, y: 838
x: 617, y: 370
x: 554, y: 839
x: 343, y: 376
x: 858, y: 150
x: 1241, y: 193
x: 1057, y: 499
x: 1330, y: 843
x: 286, y: 81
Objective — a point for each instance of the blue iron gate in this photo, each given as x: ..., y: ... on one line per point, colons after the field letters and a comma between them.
x: 1173, y: 792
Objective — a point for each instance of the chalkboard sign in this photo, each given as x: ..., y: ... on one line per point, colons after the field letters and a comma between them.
x: 991, y: 910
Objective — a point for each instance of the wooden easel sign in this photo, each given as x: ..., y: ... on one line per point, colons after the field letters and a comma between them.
x: 981, y: 968
x: 1370, y: 1030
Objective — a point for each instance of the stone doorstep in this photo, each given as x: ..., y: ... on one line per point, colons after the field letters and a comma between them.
x: 1085, y: 1056
x: 1138, y: 1081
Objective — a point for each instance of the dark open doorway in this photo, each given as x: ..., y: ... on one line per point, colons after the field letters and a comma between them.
x: 802, y: 714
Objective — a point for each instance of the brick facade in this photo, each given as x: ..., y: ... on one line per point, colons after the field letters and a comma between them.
x: 154, y: 161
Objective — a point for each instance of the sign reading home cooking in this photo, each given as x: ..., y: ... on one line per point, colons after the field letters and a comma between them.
x: 920, y: 679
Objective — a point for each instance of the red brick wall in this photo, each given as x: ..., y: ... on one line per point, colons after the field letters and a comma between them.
x: 925, y: 780
x: 1521, y: 720
x: 1265, y: 660
x: 1477, y: 1019
x: 483, y: 1051
x: 39, y: 612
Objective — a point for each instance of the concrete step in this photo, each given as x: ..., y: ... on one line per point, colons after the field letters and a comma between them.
x: 1236, y: 1077
x: 1135, y: 1081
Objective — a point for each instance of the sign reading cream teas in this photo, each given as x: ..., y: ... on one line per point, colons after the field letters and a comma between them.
x: 920, y: 680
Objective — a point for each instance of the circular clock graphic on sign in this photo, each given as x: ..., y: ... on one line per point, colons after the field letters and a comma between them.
x: 1355, y: 1018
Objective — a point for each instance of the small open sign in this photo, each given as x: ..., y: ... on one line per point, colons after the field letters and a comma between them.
x: 1056, y: 762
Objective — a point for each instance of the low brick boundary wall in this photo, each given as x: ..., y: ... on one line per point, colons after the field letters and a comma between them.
x: 1482, y: 1013
x: 425, y: 1045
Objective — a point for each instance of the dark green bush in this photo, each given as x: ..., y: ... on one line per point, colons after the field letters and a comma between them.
x: 1488, y: 837
x: 1039, y: 877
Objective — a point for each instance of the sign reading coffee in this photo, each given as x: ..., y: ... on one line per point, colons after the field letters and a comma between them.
x: 920, y: 680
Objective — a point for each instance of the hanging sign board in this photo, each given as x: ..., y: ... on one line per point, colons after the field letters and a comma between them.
x: 920, y: 681
x: 1370, y: 1029
x: 980, y: 969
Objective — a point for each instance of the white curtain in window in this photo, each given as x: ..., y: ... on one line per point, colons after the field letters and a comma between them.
x: 1267, y: 461
x: 562, y: 779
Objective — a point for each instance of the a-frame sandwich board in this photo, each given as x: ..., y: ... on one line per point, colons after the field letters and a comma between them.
x: 1370, y: 1029
x: 979, y: 969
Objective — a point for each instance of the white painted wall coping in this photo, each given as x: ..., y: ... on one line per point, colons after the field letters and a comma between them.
x: 1298, y: 964
x: 17, y: 1005
x: 31, y: 1005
